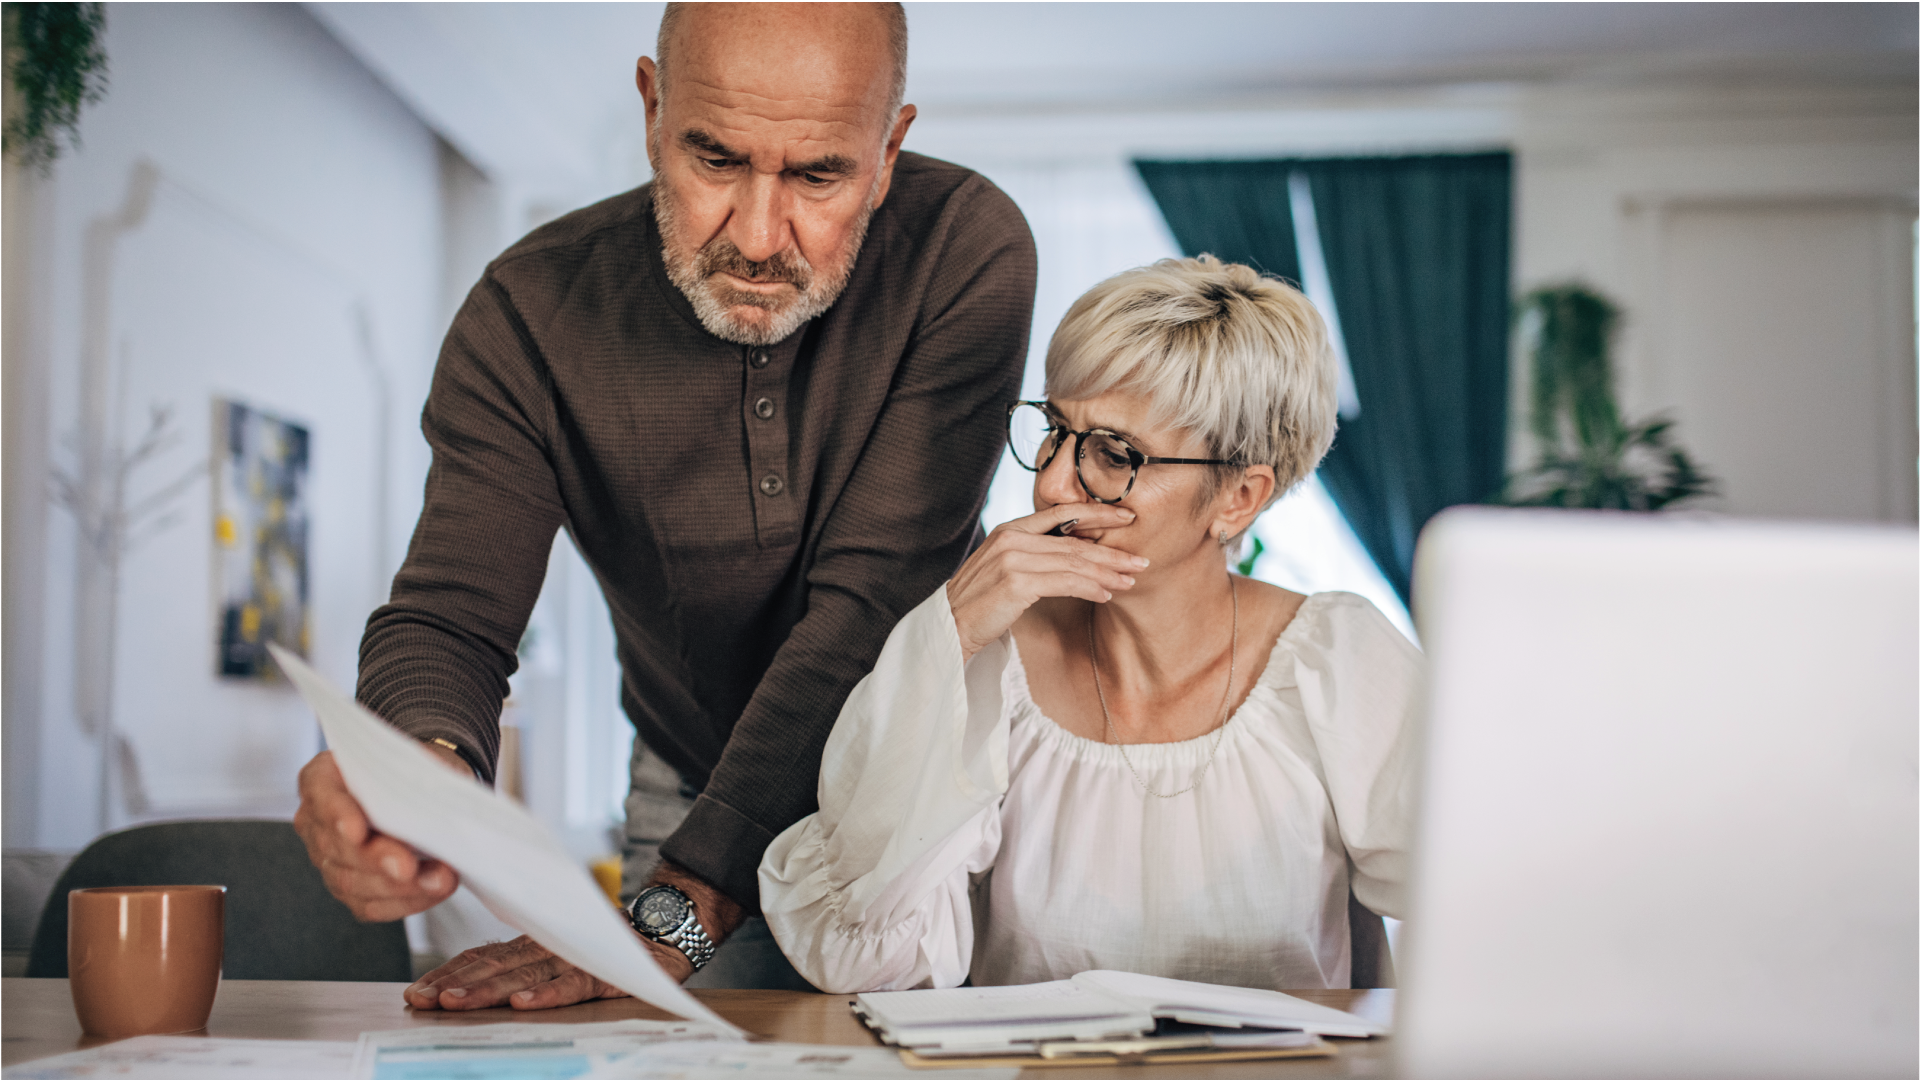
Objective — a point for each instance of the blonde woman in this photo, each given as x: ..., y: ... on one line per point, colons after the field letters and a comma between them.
x: 1097, y: 747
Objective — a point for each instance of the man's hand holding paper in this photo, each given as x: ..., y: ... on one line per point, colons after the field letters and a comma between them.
x: 505, y: 856
x: 378, y: 877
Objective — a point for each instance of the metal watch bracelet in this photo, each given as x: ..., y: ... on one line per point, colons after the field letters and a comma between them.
x: 689, y: 936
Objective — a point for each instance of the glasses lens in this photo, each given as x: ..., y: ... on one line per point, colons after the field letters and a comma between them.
x: 1106, y: 465
x: 1030, y: 436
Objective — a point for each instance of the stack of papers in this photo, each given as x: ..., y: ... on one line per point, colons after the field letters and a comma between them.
x: 1100, y: 1011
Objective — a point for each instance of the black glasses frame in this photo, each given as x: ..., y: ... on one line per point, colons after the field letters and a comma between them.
x: 1134, y: 457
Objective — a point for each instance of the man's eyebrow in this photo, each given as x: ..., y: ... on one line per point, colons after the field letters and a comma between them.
x: 832, y: 163
x: 701, y: 142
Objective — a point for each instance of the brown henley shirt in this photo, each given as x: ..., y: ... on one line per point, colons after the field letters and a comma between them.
x: 758, y: 518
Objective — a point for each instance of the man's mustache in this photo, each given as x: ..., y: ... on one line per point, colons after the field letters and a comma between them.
x: 721, y: 256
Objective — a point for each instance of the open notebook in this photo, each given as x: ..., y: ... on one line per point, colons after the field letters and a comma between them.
x: 1093, y: 1006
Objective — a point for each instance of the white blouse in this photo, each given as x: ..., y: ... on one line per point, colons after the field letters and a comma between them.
x: 961, y: 832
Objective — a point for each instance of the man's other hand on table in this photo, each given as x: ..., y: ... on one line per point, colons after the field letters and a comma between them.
x: 522, y: 974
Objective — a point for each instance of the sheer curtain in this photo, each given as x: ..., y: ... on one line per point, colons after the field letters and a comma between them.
x: 1091, y: 220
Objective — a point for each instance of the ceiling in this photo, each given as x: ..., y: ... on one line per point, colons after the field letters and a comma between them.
x: 540, y: 95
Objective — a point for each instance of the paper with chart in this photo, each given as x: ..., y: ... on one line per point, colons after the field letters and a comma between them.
x: 501, y: 852
x: 506, y: 1051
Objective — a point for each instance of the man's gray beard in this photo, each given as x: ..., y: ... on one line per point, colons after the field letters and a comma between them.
x: 711, y: 300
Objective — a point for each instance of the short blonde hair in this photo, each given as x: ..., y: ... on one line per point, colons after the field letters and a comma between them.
x: 1220, y: 350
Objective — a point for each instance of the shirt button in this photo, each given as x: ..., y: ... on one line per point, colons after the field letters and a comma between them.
x: 759, y: 358
x: 771, y: 484
x: 763, y: 408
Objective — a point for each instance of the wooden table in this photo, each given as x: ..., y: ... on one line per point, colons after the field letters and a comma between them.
x: 37, y: 1020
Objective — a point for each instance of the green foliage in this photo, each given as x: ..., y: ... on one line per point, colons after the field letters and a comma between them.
x: 1589, y: 456
x: 56, y: 64
x: 1245, y: 566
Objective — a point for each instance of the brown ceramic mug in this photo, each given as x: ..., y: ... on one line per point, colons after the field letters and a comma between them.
x: 144, y: 959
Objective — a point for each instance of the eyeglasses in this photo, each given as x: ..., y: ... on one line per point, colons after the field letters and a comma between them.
x: 1105, y: 462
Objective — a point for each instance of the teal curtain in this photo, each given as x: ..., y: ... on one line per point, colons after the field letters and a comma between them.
x: 1236, y: 211
x: 1417, y: 252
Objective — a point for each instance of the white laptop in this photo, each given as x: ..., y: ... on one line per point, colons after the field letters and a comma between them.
x: 1668, y: 821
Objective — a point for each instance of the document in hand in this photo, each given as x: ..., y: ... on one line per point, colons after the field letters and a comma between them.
x: 1091, y: 1005
x: 501, y: 852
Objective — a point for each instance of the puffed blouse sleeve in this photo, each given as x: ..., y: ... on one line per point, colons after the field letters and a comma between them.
x: 1361, y: 685
x: 871, y: 892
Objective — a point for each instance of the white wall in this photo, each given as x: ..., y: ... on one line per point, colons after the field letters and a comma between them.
x: 251, y: 214
x: 1761, y: 241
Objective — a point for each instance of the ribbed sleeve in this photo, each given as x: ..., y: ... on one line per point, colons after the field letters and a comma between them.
x: 435, y: 659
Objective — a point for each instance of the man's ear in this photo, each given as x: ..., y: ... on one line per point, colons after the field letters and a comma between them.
x: 892, y: 152
x: 1242, y: 500
x: 647, y: 78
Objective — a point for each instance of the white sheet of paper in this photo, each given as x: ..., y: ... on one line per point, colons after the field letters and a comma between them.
x: 1207, y: 1003
x: 1029, y: 1003
x: 174, y: 1057
x: 621, y: 1050
x: 506, y: 856
x: 783, y: 1061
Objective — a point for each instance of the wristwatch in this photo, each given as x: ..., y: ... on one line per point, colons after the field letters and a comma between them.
x: 665, y: 914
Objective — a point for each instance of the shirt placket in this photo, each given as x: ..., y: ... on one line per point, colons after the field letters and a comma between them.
x: 764, y: 412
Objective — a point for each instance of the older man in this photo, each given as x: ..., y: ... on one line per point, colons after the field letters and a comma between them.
x: 764, y: 395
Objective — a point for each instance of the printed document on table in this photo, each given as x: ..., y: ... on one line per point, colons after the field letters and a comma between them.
x: 488, y: 1051
x: 501, y: 852
x: 173, y: 1057
x: 623, y: 1050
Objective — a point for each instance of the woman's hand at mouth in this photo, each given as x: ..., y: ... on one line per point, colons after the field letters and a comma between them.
x: 1021, y: 562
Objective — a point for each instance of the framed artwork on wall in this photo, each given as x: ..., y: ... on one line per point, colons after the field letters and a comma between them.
x: 260, y: 517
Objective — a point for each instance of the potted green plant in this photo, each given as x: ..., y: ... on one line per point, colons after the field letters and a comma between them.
x: 1589, y: 456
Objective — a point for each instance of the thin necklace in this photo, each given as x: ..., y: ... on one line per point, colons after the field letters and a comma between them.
x: 1220, y: 729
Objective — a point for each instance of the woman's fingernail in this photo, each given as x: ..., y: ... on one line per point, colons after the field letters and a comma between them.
x: 1140, y: 562
x: 524, y: 995
x: 1126, y: 579
x: 1105, y: 596
x: 391, y: 864
x: 459, y: 993
x: 1128, y: 513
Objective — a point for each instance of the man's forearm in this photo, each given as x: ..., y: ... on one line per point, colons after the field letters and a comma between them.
x: 719, y: 916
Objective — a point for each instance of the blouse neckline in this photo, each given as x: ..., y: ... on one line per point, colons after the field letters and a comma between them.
x: 1157, y: 753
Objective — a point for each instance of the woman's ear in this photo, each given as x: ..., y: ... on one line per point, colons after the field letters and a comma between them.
x: 1241, y: 500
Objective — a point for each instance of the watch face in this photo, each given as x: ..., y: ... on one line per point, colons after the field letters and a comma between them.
x: 661, y: 911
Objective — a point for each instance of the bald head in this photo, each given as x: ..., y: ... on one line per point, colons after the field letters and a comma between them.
x: 772, y: 150
x: 851, y: 44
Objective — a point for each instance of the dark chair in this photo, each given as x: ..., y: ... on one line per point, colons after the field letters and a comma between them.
x: 1372, y: 954
x: 281, y: 921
